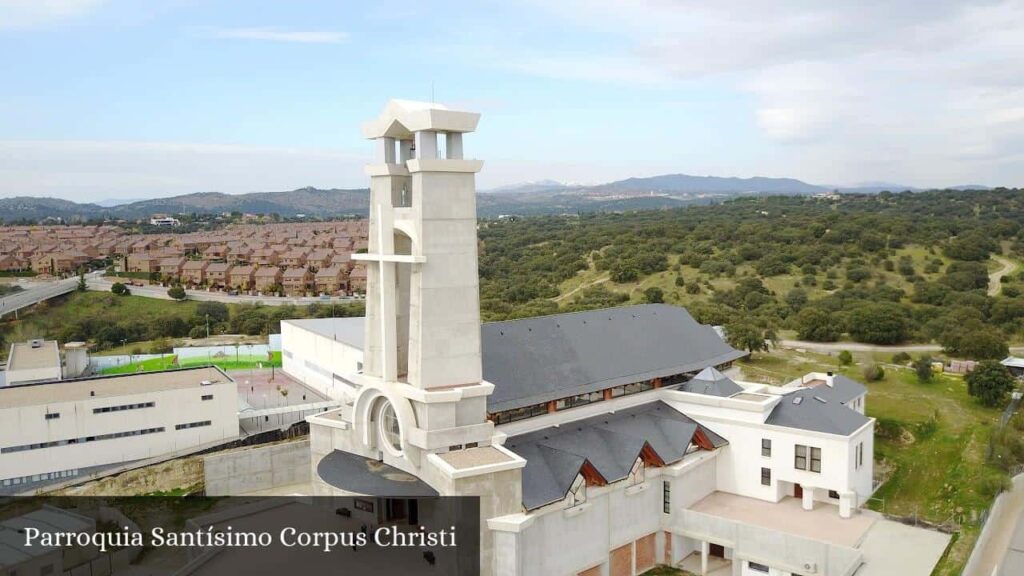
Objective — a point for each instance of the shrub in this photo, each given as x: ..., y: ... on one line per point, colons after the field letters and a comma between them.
x: 873, y: 373
x: 845, y: 358
x: 900, y: 358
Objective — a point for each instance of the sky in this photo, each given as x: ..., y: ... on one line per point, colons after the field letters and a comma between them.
x: 103, y: 99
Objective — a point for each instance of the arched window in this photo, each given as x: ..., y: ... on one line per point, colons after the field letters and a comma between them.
x: 390, y: 429
x: 578, y: 491
x: 636, y: 475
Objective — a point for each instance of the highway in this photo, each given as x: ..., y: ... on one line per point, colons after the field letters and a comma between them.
x: 35, y: 293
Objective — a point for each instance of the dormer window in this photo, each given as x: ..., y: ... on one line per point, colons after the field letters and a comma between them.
x: 578, y: 491
x: 636, y: 475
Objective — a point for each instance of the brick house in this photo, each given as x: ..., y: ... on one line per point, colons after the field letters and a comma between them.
x: 296, y: 281
x: 357, y: 279
x: 171, y: 266
x: 215, y: 252
x: 331, y: 280
x: 294, y: 258
x: 217, y: 274
x: 194, y: 271
x: 266, y: 277
x: 241, y: 277
x: 142, y: 263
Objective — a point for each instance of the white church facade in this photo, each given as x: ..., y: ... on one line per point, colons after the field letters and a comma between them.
x: 600, y: 443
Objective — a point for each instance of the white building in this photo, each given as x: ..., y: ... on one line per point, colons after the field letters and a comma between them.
x: 33, y: 361
x: 55, y: 430
x: 599, y: 443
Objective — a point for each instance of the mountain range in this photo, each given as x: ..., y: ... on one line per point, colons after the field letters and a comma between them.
x: 540, y: 197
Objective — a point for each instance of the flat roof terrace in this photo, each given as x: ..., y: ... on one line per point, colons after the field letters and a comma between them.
x: 109, y: 386
x: 34, y: 355
x: 823, y: 523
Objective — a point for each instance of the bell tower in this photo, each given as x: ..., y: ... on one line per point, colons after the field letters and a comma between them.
x: 423, y: 292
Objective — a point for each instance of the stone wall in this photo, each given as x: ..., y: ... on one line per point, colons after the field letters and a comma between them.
x: 257, y: 468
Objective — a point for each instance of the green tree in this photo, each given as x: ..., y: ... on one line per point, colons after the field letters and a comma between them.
x: 879, y: 323
x: 654, y: 295
x: 746, y: 335
x: 816, y: 325
x: 990, y: 382
x: 845, y: 358
x: 176, y: 293
x: 923, y: 369
x: 120, y: 289
x: 82, y: 287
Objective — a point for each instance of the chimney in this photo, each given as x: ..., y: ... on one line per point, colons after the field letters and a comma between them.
x: 830, y: 379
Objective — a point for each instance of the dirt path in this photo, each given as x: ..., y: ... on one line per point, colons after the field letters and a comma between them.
x: 994, y: 284
x: 561, y: 297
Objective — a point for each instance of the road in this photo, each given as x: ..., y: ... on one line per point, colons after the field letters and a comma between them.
x: 34, y: 293
x: 994, y: 283
x: 103, y: 284
x: 826, y: 347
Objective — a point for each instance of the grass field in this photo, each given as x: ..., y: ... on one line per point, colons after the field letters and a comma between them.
x: 243, y: 362
x: 930, y: 440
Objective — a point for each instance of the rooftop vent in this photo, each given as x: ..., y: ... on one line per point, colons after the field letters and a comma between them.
x: 820, y: 399
x: 36, y: 343
x: 798, y: 400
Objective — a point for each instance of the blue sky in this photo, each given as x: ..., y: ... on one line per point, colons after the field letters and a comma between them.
x: 124, y: 99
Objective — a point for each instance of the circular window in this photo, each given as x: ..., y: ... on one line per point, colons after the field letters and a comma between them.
x: 390, y: 430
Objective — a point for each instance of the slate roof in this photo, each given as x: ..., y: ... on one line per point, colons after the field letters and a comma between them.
x: 821, y: 408
x: 711, y: 382
x: 535, y: 360
x: 610, y: 442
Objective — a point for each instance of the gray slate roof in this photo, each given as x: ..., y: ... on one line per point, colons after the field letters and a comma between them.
x: 610, y: 442
x: 831, y: 416
x: 535, y: 360
x: 711, y: 382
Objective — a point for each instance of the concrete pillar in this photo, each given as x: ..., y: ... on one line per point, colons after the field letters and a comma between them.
x: 705, y: 549
x: 808, y: 501
x: 737, y: 566
x: 385, y: 150
x: 453, y: 145
x: 847, y: 502
x: 426, y: 144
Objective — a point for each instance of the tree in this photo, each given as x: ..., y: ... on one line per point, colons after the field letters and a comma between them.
x: 82, y: 287
x: 923, y: 369
x: 217, y: 311
x: 986, y: 344
x: 990, y: 382
x: 873, y: 373
x: 120, y: 289
x: 816, y: 325
x: 654, y: 295
x: 745, y: 335
x: 845, y: 358
x: 796, y: 298
x: 176, y: 293
x: 879, y: 323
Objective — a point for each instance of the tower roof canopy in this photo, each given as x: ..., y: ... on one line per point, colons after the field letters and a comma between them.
x: 401, y: 118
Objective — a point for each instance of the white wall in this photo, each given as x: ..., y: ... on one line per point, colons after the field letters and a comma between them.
x: 28, y: 425
x: 313, y: 360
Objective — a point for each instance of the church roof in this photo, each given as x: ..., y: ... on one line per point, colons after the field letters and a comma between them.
x: 610, y: 443
x: 535, y: 360
x: 711, y: 382
x: 401, y: 118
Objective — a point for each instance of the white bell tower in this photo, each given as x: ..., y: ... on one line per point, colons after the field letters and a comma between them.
x: 422, y: 330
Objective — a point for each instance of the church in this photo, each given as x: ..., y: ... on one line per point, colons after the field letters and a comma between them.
x: 600, y: 443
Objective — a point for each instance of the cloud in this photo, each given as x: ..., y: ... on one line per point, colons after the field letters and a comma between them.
x: 278, y: 35
x: 33, y: 13
x: 93, y: 170
x: 931, y: 91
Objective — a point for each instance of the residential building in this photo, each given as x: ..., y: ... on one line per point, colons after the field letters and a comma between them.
x: 242, y: 277
x: 267, y: 278
x: 217, y: 274
x: 194, y: 271
x: 54, y: 430
x: 331, y: 280
x: 296, y: 281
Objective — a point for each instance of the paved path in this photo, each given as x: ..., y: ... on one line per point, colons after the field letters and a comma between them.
x: 893, y: 548
x: 995, y: 538
x: 994, y: 284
